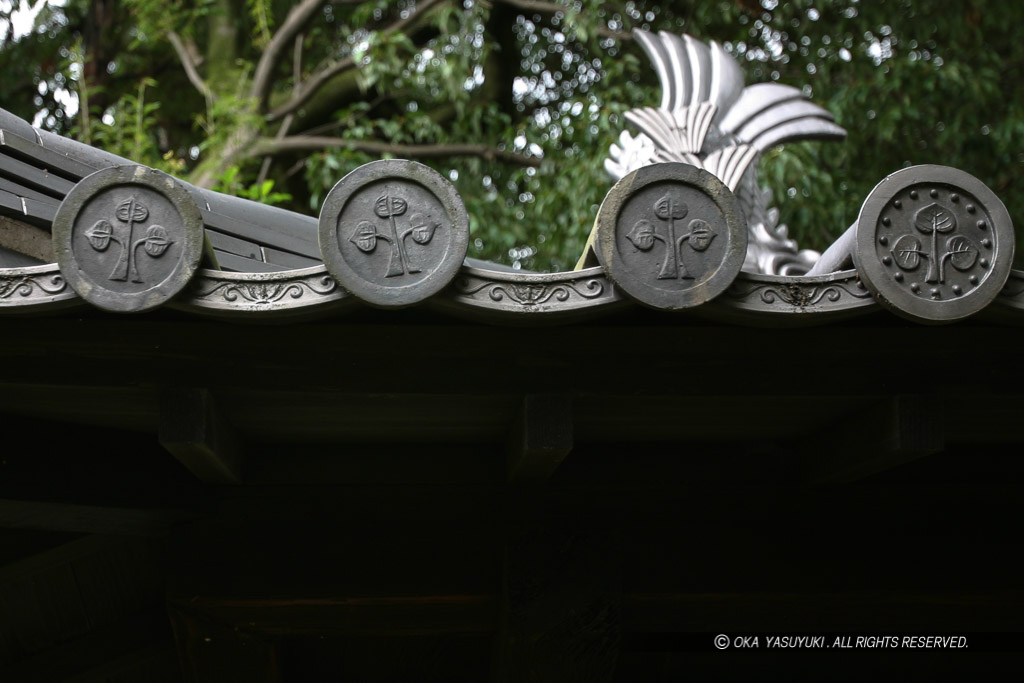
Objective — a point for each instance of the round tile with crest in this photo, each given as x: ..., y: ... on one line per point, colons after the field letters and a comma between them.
x: 393, y: 232
x: 934, y: 244
x: 128, y: 238
x: 670, y: 236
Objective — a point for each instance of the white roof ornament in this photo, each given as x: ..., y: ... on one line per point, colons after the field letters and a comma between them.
x: 709, y: 120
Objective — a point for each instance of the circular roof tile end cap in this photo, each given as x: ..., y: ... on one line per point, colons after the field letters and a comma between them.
x: 393, y: 232
x: 128, y: 239
x: 934, y: 244
x: 671, y: 236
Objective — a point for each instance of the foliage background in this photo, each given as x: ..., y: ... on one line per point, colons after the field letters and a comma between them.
x: 516, y: 101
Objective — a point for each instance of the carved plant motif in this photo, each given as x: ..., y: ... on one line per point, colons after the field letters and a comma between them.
x: 529, y: 295
x: 962, y: 254
x: 420, y: 228
x: 266, y: 293
x: 127, y: 214
x: 670, y: 209
x: 800, y: 295
x: 26, y: 285
x: 932, y: 220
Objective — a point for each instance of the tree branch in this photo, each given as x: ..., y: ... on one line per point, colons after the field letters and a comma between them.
x: 309, y: 88
x: 320, y: 78
x: 193, y: 51
x: 293, y: 24
x: 287, y: 123
x: 190, y: 66
x: 374, y: 103
x: 311, y: 143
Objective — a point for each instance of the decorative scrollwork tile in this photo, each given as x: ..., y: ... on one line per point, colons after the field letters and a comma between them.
x: 799, y: 291
x: 533, y: 298
x: 525, y: 293
x: 262, y: 294
x: 34, y: 288
x: 799, y: 299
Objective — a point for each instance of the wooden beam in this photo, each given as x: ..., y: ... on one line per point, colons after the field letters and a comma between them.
x: 87, y: 519
x: 894, y: 431
x: 78, y: 350
x: 79, y: 606
x: 197, y: 434
x: 404, y: 615
x: 133, y: 645
x: 427, y: 575
x: 124, y: 485
x: 561, y: 608
x: 212, y: 652
x: 541, y: 437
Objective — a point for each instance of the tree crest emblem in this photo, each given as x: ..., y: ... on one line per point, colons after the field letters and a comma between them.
x: 933, y: 220
x: 670, y: 209
x: 126, y: 215
x: 420, y: 228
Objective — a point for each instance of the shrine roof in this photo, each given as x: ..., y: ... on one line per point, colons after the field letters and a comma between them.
x: 251, y: 261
